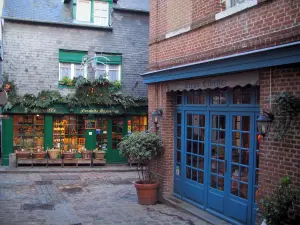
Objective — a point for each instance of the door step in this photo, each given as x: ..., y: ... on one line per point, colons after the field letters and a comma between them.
x: 193, y: 210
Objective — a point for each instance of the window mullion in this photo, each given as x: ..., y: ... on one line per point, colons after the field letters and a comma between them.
x: 72, y: 70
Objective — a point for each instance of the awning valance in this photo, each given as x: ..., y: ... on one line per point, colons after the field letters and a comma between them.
x: 233, y: 80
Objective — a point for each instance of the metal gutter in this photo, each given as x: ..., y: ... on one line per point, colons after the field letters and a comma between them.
x: 130, y: 10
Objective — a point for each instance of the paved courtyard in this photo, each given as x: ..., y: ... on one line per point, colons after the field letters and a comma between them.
x: 106, y: 198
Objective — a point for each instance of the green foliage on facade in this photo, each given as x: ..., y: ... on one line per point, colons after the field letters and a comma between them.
x: 285, y: 110
x: 100, y: 92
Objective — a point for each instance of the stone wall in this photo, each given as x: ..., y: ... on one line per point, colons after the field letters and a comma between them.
x: 30, y: 50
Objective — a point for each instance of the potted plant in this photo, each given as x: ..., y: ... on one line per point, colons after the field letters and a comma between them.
x: 143, y: 147
x: 280, y: 207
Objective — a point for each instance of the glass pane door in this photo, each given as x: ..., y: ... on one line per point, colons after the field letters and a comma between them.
x: 194, y: 156
x: 101, y: 133
x: 239, y: 165
x: 218, y: 153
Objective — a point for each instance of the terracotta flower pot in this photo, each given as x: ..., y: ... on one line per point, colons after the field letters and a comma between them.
x: 68, y: 155
x: 147, y: 193
x: 23, y: 155
x: 39, y: 155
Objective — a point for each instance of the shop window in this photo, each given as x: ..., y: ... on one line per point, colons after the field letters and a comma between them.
x: 117, y: 132
x: 179, y: 96
x: 68, y: 132
x: 196, y: 97
x: 242, y: 95
x: 219, y: 96
x: 28, y: 132
x: 139, y: 123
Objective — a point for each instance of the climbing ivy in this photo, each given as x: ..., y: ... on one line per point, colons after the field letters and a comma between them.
x: 285, y: 110
x: 100, y: 92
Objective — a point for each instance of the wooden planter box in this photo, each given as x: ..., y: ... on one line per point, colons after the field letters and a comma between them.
x: 39, y: 155
x: 68, y: 155
x: 23, y: 155
x: 87, y: 155
x: 99, y: 155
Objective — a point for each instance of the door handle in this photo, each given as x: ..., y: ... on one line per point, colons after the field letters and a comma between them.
x: 226, y: 165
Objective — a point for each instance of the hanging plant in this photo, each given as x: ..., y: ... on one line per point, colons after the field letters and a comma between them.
x: 286, y: 110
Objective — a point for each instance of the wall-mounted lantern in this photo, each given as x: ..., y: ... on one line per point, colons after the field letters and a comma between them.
x: 156, y: 116
x: 263, y: 123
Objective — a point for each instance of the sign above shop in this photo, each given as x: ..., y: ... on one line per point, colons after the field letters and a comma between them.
x: 4, y: 116
x: 241, y: 79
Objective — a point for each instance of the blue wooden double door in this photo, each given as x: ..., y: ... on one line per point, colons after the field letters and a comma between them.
x: 215, y: 162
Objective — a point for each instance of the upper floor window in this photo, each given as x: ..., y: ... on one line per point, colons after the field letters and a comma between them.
x: 232, y: 3
x: 70, y: 64
x: 109, y: 67
x: 93, y: 11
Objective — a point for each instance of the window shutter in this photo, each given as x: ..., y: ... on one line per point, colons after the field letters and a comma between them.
x: 101, y: 13
x: 83, y: 11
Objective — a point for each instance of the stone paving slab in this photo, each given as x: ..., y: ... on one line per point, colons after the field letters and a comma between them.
x: 84, y: 198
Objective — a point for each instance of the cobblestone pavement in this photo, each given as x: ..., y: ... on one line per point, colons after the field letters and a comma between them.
x: 80, y: 199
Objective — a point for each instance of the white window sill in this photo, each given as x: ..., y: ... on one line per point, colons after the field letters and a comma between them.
x: 236, y: 9
x: 89, y: 24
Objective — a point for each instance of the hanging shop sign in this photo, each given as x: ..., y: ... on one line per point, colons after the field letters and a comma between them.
x: 240, y: 79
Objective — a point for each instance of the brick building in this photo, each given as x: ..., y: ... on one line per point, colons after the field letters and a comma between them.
x: 212, y: 67
x: 44, y: 43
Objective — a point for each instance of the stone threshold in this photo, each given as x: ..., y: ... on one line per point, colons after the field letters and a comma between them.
x: 66, y: 169
x: 194, y: 211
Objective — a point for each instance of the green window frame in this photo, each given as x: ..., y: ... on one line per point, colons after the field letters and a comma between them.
x: 70, y: 64
x: 92, y: 16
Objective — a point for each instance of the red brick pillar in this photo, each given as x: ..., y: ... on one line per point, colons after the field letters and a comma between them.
x: 163, y: 167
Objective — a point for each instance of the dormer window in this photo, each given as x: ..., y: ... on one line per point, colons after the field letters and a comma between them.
x: 93, y: 11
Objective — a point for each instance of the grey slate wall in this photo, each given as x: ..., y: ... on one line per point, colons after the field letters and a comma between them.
x: 30, y: 51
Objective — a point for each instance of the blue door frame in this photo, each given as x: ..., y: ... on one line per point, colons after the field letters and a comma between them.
x: 217, y: 190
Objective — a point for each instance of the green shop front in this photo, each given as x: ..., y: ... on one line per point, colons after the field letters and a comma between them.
x: 71, y: 130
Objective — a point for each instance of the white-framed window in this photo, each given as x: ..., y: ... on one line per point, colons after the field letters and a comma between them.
x: 111, y: 72
x: 71, y: 70
x: 83, y: 11
x: 232, y: 3
x: 234, y: 6
x: 101, y: 12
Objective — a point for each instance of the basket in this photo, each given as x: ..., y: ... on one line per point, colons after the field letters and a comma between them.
x: 87, y: 155
x: 39, y: 155
x: 53, y: 154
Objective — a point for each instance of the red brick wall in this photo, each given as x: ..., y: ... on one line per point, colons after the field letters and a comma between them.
x: 267, y: 24
x: 163, y: 167
x: 279, y: 159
